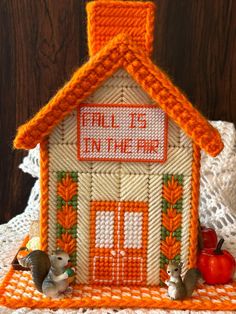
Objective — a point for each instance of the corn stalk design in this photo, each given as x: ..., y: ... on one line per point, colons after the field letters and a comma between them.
x: 67, y: 213
x: 172, y: 193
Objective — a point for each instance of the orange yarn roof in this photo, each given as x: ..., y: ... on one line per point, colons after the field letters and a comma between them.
x: 120, y: 52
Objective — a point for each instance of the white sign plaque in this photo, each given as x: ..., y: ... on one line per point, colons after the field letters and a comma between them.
x: 122, y: 133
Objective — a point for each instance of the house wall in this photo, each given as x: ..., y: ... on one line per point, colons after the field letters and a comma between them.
x: 119, y: 181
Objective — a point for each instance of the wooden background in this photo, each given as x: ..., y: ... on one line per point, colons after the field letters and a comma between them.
x: 43, y: 41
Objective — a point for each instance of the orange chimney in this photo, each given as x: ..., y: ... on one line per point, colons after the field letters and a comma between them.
x: 106, y: 19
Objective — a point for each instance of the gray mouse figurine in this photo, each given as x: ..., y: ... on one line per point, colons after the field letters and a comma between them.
x: 179, y: 289
x: 48, y: 272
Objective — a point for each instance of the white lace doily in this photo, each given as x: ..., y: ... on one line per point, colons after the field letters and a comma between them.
x: 217, y: 210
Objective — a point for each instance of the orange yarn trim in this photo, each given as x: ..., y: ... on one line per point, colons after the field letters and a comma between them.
x: 121, y: 52
x: 67, y: 243
x: 67, y: 188
x: 67, y: 213
x: 44, y: 183
x: 172, y: 193
x: 67, y: 217
x: 17, y: 291
x: 107, y: 19
x: 11, y: 271
x: 193, y: 242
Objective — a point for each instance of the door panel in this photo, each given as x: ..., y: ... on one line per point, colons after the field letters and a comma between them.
x: 132, y: 270
x: 103, y: 241
x: 103, y: 269
x: 104, y: 229
x: 118, y: 243
x: 133, y: 245
x: 133, y: 230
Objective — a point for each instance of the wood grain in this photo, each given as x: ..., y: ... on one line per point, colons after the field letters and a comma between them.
x: 43, y: 42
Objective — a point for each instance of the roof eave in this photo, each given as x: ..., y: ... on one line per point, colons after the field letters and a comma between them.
x: 121, y: 52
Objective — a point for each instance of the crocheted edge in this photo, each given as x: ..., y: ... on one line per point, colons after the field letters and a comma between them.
x: 126, y: 302
x: 121, y: 52
x: 204, y: 304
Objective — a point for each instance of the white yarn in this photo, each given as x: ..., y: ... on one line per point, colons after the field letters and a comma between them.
x: 217, y: 209
x: 217, y: 193
x: 30, y: 163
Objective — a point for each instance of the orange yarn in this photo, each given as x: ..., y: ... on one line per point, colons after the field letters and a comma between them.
x: 67, y: 213
x: 106, y: 19
x: 67, y: 217
x: 107, y: 266
x: 172, y: 193
x: 170, y: 247
x: 67, y: 243
x: 17, y: 290
x: 193, y: 242
x: 117, y: 53
x: 67, y: 188
x: 171, y: 220
x: 44, y: 180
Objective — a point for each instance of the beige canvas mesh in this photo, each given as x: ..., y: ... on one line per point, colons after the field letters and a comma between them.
x: 132, y: 181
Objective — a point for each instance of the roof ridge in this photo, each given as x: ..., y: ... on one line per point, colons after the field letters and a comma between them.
x: 121, y: 51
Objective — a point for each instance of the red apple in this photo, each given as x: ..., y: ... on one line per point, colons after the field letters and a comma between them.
x: 217, y: 266
x: 209, y: 237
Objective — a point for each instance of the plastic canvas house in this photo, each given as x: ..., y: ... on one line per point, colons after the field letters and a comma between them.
x: 120, y: 157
